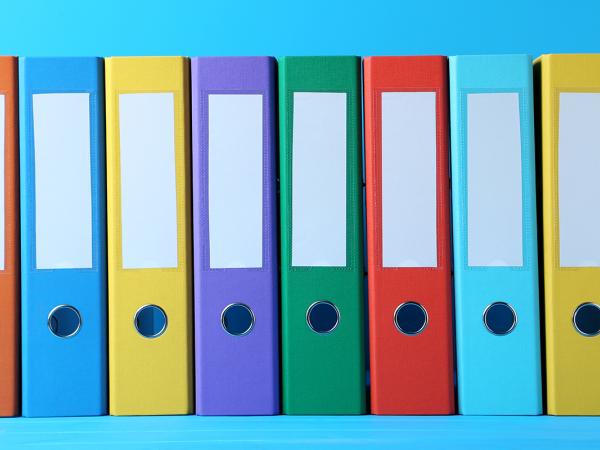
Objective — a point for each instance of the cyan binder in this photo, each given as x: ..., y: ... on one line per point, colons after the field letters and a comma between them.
x: 495, y: 243
x: 63, y: 256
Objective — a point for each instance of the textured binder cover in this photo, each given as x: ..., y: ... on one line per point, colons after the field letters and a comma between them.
x: 322, y: 374
x: 63, y: 377
x: 572, y: 364
x: 409, y: 374
x: 9, y: 277
x: 149, y: 376
x: 235, y: 375
x: 496, y: 374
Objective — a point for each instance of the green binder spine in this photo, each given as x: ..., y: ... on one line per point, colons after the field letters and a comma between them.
x: 323, y: 373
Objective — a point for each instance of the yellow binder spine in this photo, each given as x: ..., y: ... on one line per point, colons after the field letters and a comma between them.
x: 572, y: 363
x: 149, y: 376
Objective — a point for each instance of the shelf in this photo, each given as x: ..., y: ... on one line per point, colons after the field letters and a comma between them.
x: 191, y: 432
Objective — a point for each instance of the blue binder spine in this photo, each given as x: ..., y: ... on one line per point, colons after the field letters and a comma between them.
x: 63, y: 243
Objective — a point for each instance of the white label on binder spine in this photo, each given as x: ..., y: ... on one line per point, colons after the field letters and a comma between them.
x: 148, y: 188
x: 2, y: 150
x: 63, y: 186
x: 408, y: 178
x: 235, y: 180
x: 319, y: 179
x: 494, y: 180
x: 578, y: 179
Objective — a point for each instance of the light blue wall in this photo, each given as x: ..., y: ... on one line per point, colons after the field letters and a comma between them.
x: 266, y: 27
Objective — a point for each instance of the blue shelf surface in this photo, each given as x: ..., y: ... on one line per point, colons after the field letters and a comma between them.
x: 301, y: 432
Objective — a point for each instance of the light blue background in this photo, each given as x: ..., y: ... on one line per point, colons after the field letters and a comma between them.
x: 267, y: 27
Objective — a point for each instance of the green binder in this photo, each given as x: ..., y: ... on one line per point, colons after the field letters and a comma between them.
x: 321, y: 236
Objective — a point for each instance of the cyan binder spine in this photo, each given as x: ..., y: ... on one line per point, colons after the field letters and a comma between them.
x: 496, y: 374
x: 63, y: 376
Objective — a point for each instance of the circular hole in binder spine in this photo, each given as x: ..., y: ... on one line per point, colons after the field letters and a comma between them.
x: 150, y: 321
x: 586, y: 319
x: 64, y: 321
x: 500, y: 318
x: 322, y: 317
x: 411, y: 318
x: 237, y: 319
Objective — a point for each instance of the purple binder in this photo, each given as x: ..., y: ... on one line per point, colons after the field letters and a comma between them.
x: 236, y: 374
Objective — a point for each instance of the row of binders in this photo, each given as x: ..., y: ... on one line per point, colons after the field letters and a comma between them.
x: 185, y: 230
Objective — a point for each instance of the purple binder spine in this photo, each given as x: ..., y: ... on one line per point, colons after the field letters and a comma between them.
x: 235, y: 375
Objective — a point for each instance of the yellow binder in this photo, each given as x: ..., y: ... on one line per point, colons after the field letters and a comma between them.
x: 149, y: 235
x: 569, y: 94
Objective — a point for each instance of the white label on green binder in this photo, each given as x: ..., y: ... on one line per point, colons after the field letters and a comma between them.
x: 235, y: 180
x: 63, y: 186
x: 579, y: 179
x: 148, y: 187
x: 319, y: 179
x: 408, y: 179
x: 494, y: 180
x: 2, y: 218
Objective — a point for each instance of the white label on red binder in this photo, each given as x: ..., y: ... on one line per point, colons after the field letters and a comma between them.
x: 408, y: 179
x: 63, y: 187
x: 148, y: 180
x: 235, y: 180
x: 494, y: 180
x: 578, y: 179
x: 319, y: 179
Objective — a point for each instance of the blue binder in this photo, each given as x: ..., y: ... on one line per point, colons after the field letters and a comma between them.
x: 495, y: 246
x: 63, y: 236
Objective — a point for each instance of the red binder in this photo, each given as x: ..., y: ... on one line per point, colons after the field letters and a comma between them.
x: 410, y: 309
x: 9, y: 274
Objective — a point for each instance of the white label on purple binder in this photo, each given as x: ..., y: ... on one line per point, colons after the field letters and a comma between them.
x: 235, y: 180
x: 148, y: 180
x: 2, y: 218
x: 578, y: 179
x: 63, y: 186
x: 319, y: 179
x: 494, y: 180
x: 408, y: 179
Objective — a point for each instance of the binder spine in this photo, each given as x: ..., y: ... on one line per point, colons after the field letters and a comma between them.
x: 9, y: 277
x: 235, y: 375
x: 511, y: 362
x: 322, y: 373
x: 152, y: 373
x: 570, y: 249
x: 422, y: 381
x: 63, y: 377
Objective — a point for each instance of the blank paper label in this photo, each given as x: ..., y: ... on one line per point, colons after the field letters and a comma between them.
x: 319, y: 179
x: 235, y: 180
x: 408, y: 168
x: 579, y: 179
x: 148, y: 189
x: 63, y: 186
x: 494, y: 180
x: 2, y: 138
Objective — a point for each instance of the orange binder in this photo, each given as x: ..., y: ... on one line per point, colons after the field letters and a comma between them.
x: 408, y: 234
x: 9, y: 260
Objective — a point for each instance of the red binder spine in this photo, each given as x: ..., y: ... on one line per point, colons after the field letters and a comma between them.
x: 410, y: 374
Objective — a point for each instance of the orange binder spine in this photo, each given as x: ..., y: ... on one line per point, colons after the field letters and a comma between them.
x: 9, y: 274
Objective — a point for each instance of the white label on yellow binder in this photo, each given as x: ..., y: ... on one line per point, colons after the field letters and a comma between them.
x: 2, y: 218
x: 319, y: 179
x: 578, y: 179
x: 148, y: 191
x: 494, y: 180
x: 235, y: 180
x: 408, y: 167
x: 63, y: 187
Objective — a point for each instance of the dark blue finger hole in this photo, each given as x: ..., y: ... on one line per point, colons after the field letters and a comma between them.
x: 500, y: 318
